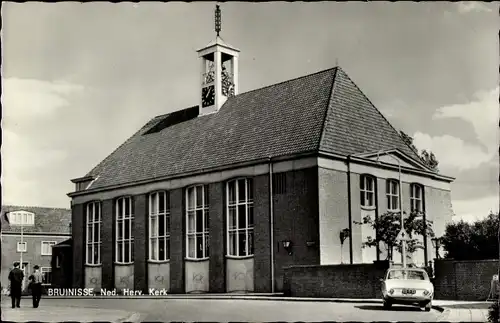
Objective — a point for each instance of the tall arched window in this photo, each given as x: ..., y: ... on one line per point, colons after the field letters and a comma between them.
x: 240, y: 224
x: 417, y: 197
x: 392, y: 193
x: 93, y: 215
x: 367, y: 190
x: 197, y: 233
x: 124, y: 230
x: 159, y: 226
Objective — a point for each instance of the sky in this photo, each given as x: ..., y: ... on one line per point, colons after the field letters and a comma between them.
x: 78, y: 79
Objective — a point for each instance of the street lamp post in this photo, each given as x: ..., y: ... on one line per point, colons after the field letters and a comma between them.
x: 436, y: 244
x: 403, y: 240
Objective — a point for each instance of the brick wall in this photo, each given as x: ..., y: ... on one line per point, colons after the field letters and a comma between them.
x: 336, y: 281
x: 140, y: 234
x: 217, y: 271
x: 177, y: 241
x: 107, y: 243
x: 78, y: 234
x: 464, y: 280
x: 296, y: 219
x: 262, y: 252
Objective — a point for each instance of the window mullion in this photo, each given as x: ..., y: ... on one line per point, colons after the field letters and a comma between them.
x: 246, y: 218
x: 237, y: 220
x: 203, y: 219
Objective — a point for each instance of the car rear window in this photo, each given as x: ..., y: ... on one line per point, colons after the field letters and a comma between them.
x: 407, y: 274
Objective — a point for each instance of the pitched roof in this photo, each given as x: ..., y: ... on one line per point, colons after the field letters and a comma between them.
x: 324, y: 111
x: 53, y: 220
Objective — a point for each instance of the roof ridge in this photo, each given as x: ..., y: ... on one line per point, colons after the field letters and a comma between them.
x: 289, y: 80
x: 382, y: 115
x: 330, y: 96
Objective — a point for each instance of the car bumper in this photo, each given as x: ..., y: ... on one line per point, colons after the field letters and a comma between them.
x: 407, y: 299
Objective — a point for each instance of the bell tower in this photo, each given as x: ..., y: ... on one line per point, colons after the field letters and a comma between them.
x: 219, y: 71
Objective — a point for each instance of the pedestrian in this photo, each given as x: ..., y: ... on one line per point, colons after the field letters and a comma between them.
x: 36, y: 285
x: 16, y: 277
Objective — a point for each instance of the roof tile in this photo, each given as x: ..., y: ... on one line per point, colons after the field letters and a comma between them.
x: 295, y: 116
x: 53, y: 220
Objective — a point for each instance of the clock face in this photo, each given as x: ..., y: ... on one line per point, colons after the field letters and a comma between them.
x: 208, y: 96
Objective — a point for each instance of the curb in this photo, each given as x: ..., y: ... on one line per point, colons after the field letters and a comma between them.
x: 254, y: 298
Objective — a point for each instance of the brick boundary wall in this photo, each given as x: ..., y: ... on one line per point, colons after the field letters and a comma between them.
x: 337, y: 281
x: 467, y: 280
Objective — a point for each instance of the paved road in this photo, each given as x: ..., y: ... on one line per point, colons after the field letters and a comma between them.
x: 249, y: 310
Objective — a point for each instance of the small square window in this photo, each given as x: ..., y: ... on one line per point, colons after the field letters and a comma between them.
x: 21, y: 247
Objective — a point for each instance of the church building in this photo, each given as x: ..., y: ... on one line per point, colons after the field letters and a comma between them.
x: 221, y: 196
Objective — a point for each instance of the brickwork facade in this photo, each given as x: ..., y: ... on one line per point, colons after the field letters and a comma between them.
x: 295, y: 219
x: 337, y: 281
x: 464, y: 280
x: 311, y: 207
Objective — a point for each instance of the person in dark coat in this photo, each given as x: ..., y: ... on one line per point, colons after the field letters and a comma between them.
x: 36, y: 281
x: 16, y: 277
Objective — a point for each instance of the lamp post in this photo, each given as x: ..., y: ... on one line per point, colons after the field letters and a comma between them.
x: 403, y: 240
x: 436, y: 243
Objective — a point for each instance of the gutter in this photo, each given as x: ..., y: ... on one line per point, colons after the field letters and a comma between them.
x: 363, y: 161
x: 251, y: 163
x: 271, y: 221
x: 349, y: 198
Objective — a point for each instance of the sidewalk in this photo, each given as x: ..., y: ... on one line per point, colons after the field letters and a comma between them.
x: 457, y: 311
x: 65, y: 314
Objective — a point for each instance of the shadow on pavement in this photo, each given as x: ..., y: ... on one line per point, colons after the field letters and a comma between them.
x: 393, y: 308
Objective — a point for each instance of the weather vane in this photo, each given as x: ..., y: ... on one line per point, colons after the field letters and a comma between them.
x: 217, y: 20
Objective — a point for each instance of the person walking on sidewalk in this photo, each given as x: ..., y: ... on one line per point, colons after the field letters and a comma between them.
x: 36, y: 286
x: 16, y: 277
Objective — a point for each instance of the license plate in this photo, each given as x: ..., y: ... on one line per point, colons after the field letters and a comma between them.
x: 409, y: 291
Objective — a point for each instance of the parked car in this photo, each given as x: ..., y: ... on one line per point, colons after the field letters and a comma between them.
x: 410, y: 286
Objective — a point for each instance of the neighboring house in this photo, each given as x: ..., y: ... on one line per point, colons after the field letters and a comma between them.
x: 221, y: 196
x: 43, y: 228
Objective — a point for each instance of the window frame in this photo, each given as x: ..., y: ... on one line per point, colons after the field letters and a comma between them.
x: 205, y: 232
x: 19, y: 243
x: 154, y: 248
x: 414, y: 187
x: 93, y: 223
x: 51, y: 244
x: 248, y: 230
x: 279, y: 183
x: 390, y: 196
x: 121, y: 220
x: 48, y: 270
x: 364, y: 191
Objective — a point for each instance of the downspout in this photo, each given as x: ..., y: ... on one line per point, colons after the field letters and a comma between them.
x: 426, y: 256
x: 350, y: 205
x: 271, y: 221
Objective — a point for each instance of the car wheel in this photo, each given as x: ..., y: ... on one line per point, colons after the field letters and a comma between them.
x: 387, y: 304
x: 428, y: 306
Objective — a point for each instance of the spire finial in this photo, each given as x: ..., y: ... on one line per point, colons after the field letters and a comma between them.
x: 217, y: 20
